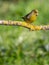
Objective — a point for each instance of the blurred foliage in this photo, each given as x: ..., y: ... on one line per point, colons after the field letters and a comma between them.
x: 18, y: 45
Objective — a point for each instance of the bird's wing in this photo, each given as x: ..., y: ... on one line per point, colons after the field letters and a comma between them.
x: 29, y: 15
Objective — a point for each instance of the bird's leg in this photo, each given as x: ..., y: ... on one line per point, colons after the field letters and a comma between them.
x: 29, y: 25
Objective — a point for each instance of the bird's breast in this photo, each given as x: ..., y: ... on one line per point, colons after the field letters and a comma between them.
x: 33, y: 18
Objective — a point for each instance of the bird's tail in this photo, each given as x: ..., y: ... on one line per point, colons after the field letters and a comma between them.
x: 23, y: 18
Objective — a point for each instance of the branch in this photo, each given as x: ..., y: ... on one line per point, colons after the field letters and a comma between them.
x: 24, y: 24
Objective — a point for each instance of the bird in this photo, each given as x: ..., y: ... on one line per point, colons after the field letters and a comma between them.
x: 31, y: 16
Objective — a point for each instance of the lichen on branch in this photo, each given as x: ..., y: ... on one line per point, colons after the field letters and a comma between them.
x: 24, y: 24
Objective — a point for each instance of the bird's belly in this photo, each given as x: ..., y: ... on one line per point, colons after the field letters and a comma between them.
x: 32, y: 18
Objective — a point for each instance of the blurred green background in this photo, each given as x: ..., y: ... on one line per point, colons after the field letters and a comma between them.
x: 18, y: 45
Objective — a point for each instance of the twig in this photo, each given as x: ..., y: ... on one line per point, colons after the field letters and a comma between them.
x: 24, y: 24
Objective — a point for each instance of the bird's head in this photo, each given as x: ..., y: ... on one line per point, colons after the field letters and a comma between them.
x: 36, y: 12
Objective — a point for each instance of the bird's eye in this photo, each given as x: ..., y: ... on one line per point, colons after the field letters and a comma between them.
x: 36, y: 14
